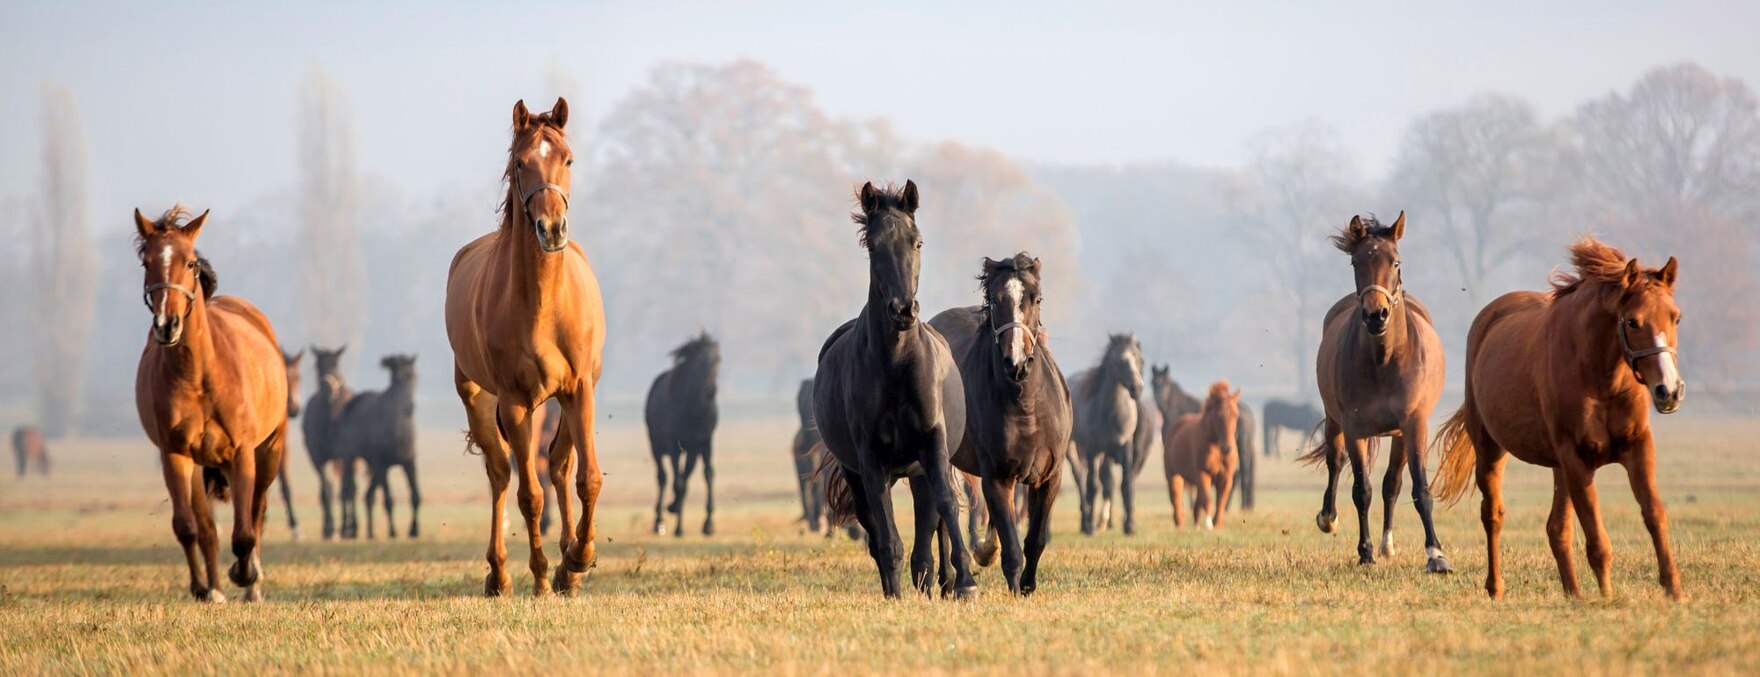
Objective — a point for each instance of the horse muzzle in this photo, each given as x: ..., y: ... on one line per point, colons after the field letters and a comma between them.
x: 1666, y: 400
x: 167, y: 331
x: 552, y: 236
x: 1376, y: 321
x: 904, y: 315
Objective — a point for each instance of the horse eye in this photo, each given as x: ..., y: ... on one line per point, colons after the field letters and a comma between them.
x: 1631, y: 323
x: 570, y: 162
x: 1678, y: 318
x: 1396, y: 264
x: 191, y: 265
x: 919, y: 244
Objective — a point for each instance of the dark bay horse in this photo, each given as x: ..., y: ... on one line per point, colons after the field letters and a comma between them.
x: 28, y: 448
x: 1380, y: 372
x: 1565, y: 380
x: 211, y: 392
x: 322, y: 417
x: 1298, y: 416
x: 291, y: 364
x: 1174, y: 402
x: 1017, y: 408
x: 806, y: 441
x: 889, y: 403
x: 526, y: 323
x: 1115, y: 425
x: 378, y: 430
x: 681, y: 416
x: 1202, y: 450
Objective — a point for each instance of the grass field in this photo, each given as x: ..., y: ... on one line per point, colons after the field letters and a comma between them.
x: 91, y: 580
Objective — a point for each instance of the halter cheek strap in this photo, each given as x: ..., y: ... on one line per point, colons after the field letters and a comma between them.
x: 1394, y: 296
x: 1632, y: 356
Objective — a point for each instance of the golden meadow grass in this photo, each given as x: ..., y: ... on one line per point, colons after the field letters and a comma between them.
x: 94, y: 582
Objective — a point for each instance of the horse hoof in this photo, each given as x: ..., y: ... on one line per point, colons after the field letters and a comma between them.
x: 678, y: 532
x: 414, y: 531
x: 253, y: 594
x: 213, y: 597
x: 1438, y: 565
x: 1326, y: 522
x: 245, y: 572
x: 566, y: 583
x: 708, y: 529
x: 295, y: 532
x: 497, y: 585
x: 1027, y: 589
x: 659, y: 530
x: 966, y: 592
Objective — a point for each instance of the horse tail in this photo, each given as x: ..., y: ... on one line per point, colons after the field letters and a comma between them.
x: 1322, y: 447
x: 1454, y: 477
x: 214, y: 482
x: 840, y: 500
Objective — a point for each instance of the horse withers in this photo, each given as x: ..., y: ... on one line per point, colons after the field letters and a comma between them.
x: 1380, y: 371
x: 1566, y: 380
x: 889, y: 403
x: 1017, y: 409
x: 526, y: 323
x: 211, y: 391
x: 681, y: 417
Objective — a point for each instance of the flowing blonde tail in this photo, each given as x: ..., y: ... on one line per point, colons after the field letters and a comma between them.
x: 1454, y: 479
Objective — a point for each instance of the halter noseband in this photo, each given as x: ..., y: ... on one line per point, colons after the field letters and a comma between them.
x: 1394, y: 296
x: 147, y: 295
x: 996, y: 332
x: 525, y: 198
x: 1632, y: 356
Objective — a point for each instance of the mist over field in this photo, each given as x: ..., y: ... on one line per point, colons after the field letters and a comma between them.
x: 1177, y: 170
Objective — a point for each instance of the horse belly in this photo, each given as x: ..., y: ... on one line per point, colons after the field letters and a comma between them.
x: 1506, y: 396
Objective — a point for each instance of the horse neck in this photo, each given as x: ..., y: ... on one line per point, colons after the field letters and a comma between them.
x: 532, y: 270
x: 881, y: 333
x: 1592, y: 342
x: 188, y: 361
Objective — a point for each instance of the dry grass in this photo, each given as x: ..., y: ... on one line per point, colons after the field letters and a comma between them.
x: 93, y: 582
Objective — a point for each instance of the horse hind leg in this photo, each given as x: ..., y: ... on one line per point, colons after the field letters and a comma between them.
x: 415, y: 498
x: 287, y: 499
x: 1332, y: 452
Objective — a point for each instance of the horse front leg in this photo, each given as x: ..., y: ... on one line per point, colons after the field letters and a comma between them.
x: 939, y: 472
x: 1362, y: 494
x: 1039, y: 502
x: 479, y: 409
x: 1641, y: 471
x: 1390, y: 484
x: 928, y: 522
x: 516, y: 421
x: 708, y: 486
x: 1416, y: 437
x: 247, y: 497
x: 179, y: 471
x: 589, y: 479
x: 999, y: 497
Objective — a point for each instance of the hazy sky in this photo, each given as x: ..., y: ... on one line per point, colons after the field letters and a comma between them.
x: 198, y: 101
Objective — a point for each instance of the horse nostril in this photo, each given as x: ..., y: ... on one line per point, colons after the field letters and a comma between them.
x: 1661, y: 392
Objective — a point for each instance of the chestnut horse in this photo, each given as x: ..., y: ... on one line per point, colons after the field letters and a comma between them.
x: 212, y: 393
x: 1202, y: 450
x: 527, y: 323
x: 1380, y: 372
x: 1018, y: 412
x: 1565, y: 380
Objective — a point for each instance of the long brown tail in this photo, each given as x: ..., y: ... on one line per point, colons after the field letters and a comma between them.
x: 1454, y: 479
x: 214, y: 482
x: 1321, y: 449
x: 840, y: 502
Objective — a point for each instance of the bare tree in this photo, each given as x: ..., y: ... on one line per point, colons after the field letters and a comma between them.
x: 1299, y: 189
x: 1480, y: 173
x: 1671, y: 168
x: 332, y: 281
x: 64, y: 269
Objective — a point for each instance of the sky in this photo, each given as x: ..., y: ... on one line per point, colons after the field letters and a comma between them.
x: 198, y: 101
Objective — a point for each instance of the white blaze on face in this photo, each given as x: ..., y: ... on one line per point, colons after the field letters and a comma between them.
x: 543, y: 149
x: 165, y: 256
x: 1013, y: 292
x: 1671, y: 374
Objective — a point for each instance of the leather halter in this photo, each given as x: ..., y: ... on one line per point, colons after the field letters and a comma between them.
x: 1632, y: 356
x: 147, y: 295
x: 525, y: 198
x: 1394, y: 296
x: 1032, y: 334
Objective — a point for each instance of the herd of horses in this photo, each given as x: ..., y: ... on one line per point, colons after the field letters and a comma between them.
x: 970, y: 403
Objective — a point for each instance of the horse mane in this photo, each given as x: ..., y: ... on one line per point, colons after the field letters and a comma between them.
x: 1015, y: 264
x: 1595, y: 261
x: 1219, y: 391
x: 177, y: 217
x: 692, y: 348
x: 1347, y: 240
x: 537, y: 120
x: 890, y: 197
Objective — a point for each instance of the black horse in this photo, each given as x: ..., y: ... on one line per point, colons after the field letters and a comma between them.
x: 889, y: 403
x: 681, y: 417
x: 323, y: 416
x: 1017, y: 408
x: 1114, y: 426
x: 378, y: 429
x: 1174, y: 402
x: 1301, y: 417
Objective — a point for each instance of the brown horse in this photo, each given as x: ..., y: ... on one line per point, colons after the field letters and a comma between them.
x: 1201, y: 450
x: 1380, y: 372
x: 211, y: 392
x: 527, y: 324
x: 1565, y: 380
x: 28, y: 448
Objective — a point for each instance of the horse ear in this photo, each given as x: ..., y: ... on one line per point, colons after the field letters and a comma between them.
x: 521, y: 116
x: 1666, y: 275
x: 142, y: 224
x: 559, y: 113
x: 869, y: 196
x: 1633, y: 273
x: 1034, y: 267
x: 194, y: 227
x: 910, y: 197
x: 1236, y: 395
x: 1356, y: 225
x: 1399, y: 226
x: 338, y: 351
